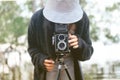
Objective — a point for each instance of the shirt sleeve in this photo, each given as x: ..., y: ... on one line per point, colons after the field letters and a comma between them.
x: 37, y: 56
x: 85, y: 49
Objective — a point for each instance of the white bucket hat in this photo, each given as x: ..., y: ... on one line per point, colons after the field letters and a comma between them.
x: 63, y: 11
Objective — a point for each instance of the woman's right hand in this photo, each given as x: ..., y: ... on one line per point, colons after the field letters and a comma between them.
x: 49, y: 64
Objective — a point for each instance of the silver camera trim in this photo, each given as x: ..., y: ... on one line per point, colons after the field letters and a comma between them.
x: 58, y: 45
x: 61, y: 35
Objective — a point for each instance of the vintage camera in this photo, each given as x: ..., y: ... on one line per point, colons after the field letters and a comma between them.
x: 61, y: 38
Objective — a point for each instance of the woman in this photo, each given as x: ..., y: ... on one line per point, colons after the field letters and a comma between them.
x: 40, y: 39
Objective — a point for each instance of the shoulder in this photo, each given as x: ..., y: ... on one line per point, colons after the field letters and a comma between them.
x: 36, y: 19
x: 37, y: 15
x: 85, y: 17
x: 83, y: 21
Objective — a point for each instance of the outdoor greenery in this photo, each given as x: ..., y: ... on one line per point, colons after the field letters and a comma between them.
x: 13, y: 25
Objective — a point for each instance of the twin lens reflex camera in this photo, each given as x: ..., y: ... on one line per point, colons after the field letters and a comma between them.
x: 61, y: 38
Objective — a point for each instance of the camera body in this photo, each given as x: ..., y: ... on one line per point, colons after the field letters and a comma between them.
x: 61, y: 38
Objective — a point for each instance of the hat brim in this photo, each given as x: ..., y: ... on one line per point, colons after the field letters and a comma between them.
x: 64, y: 18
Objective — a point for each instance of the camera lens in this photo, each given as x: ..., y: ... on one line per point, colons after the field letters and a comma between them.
x: 61, y: 45
x: 61, y: 37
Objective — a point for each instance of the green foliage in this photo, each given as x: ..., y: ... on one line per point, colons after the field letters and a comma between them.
x: 83, y: 3
x: 94, y: 31
x: 114, y: 7
x: 90, y: 73
x: 29, y: 4
x: 87, y: 76
x: 109, y: 36
x: 113, y: 38
x: 13, y: 25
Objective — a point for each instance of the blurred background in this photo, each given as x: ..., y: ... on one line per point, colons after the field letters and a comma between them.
x: 104, y: 15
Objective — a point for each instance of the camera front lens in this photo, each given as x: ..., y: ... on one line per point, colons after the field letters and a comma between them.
x: 61, y: 37
x: 62, y: 45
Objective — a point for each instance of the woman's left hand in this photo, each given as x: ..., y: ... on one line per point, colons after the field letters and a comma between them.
x: 73, y: 41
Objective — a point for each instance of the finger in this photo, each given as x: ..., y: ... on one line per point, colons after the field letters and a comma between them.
x: 49, y: 64
x: 49, y: 61
x: 75, y: 46
x: 69, y: 36
x: 73, y: 40
x: 72, y: 36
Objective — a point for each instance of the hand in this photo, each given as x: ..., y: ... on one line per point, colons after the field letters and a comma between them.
x: 73, y: 41
x: 49, y: 64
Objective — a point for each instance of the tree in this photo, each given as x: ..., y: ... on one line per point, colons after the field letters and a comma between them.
x: 113, y: 38
x: 101, y: 22
x: 13, y: 25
